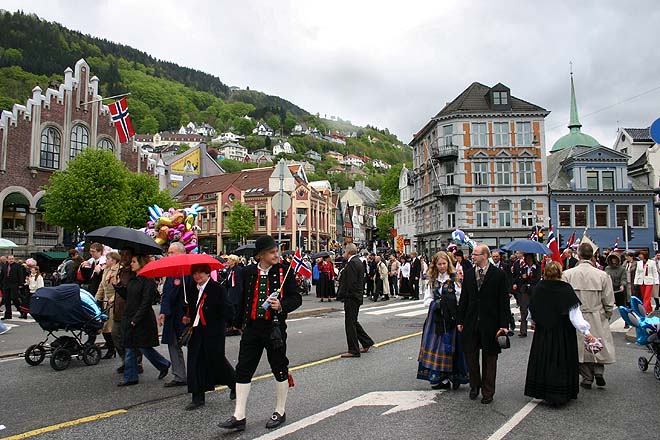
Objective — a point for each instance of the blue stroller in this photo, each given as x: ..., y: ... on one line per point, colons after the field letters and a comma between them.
x: 648, y: 333
x: 66, y: 308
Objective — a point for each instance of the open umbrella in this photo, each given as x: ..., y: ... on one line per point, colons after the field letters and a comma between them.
x: 120, y: 237
x: 247, y: 250
x: 178, y: 265
x: 527, y: 246
x: 6, y: 244
x: 322, y: 254
x: 287, y: 253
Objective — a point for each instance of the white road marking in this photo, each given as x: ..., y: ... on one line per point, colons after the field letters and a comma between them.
x: 394, y: 309
x: 514, y: 421
x: 414, y: 313
x: 401, y: 400
x: 2, y: 427
x: 396, y: 304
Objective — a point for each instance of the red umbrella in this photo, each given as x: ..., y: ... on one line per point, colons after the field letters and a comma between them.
x: 178, y: 265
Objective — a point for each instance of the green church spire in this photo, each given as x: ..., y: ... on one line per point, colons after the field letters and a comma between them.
x: 574, y: 123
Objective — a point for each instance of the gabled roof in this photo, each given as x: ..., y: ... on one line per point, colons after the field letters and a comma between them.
x: 557, y: 176
x: 639, y: 134
x: 475, y: 99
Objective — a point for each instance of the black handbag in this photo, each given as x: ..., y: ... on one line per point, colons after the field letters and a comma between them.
x: 184, y: 339
x: 503, y: 339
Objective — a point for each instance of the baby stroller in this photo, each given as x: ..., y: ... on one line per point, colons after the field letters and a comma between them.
x: 66, y: 308
x: 648, y: 333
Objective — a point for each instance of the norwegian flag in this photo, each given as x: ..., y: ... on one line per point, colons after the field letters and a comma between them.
x: 535, y: 235
x: 122, y: 120
x: 299, y: 265
x: 554, y: 246
x: 616, y: 245
x: 571, y: 240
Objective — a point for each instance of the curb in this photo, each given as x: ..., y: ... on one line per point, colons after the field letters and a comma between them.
x: 312, y: 312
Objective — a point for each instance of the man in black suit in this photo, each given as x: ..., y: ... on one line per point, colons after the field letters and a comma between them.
x: 372, y: 275
x: 264, y: 329
x: 350, y: 292
x: 568, y: 260
x: 483, y: 310
x: 13, y: 276
x: 415, y: 274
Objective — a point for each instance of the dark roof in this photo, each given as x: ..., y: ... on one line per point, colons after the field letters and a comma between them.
x: 639, y: 134
x: 475, y: 99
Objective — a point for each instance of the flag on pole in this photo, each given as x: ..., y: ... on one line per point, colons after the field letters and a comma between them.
x: 299, y: 265
x: 554, y: 245
x: 122, y: 120
x: 535, y: 235
x: 616, y: 245
x: 571, y: 240
x: 586, y: 239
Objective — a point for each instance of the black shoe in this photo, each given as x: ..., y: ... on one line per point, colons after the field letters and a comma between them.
x: 120, y: 369
x: 487, y: 400
x: 110, y: 354
x: 232, y: 423
x: 194, y: 405
x: 174, y: 383
x: 522, y: 335
x: 5, y: 317
x: 474, y: 393
x: 232, y: 394
x: 600, y: 381
x: 127, y: 384
x: 441, y: 386
x: 455, y: 385
x: 386, y: 298
x: 163, y: 373
x: 586, y: 386
x: 510, y: 333
x: 140, y: 369
x: 275, y: 420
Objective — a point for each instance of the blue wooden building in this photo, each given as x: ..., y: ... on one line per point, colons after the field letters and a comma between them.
x: 589, y: 187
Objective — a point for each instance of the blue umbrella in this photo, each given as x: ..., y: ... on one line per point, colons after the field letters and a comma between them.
x: 527, y: 246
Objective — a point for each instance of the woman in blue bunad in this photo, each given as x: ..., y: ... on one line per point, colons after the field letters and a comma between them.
x: 441, y: 359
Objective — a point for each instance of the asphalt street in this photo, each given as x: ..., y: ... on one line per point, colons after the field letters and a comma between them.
x: 332, y: 398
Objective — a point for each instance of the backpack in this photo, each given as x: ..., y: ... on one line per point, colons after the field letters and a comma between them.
x: 62, y: 268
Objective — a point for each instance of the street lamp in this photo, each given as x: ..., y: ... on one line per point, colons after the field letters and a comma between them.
x: 301, y: 221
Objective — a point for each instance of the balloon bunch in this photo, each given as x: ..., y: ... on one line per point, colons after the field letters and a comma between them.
x: 636, y: 316
x: 80, y: 247
x: 459, y: 237
x: 173, y: 225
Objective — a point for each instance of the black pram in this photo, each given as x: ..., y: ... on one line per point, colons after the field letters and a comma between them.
x: 66, y: 308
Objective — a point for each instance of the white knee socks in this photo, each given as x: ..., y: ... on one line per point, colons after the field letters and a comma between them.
x: 282, y: 389
x: 242, y: 393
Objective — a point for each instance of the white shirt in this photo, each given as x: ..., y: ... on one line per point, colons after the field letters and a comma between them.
x: 200, y: 290
x: 404, y: 270
x: 428, y: 291
x: 575, y: 315
x: 264, y: 271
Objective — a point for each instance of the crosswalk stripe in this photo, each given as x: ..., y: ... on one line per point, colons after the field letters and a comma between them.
x: 411, y: 314
x: 396, y: 304
x: 394, y: 309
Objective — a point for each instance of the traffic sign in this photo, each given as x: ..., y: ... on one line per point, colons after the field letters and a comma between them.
x: 655, y: 131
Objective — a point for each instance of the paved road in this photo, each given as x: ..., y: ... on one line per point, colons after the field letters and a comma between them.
x: 40, y: 397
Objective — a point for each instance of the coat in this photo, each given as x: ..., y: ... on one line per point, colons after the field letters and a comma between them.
x: 642, y: 276
x: 351, y: 281
x: 235, y: 284
x: 416, y: 270
x: 207, y: 366
x: 106, y: 293
x: 173, y: 306
x: 483, y: 311
x: 290, y: 298
x: 383, y: 272
x: 140, y: 293
x: 594, y: 289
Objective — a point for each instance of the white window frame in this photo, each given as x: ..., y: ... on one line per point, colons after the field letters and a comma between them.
x: 586, y: 215
x: 631, y: 222
x: 501, y: 134
x: 570, y: 215
x: 504, y: 216
x: 479, y: 134
x: 500, y: 98
x: 448, y: 135
x: 79, y: 140
x: 503, y: 172
x: 527, y: 215
x: 482, y: 217
x: 607, y: 219
x: 481, y: 174
x: 526, y: 172
x: 524, y: 133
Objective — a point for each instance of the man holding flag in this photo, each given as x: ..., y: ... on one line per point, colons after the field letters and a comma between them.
x: 269, y: 294
x: 554, y: 245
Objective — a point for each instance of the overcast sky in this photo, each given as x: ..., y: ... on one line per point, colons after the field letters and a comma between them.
x: 396, y: 63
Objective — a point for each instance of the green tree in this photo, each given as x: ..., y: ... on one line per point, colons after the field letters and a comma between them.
x: 183, y: 148
x: 289, y: 123
x: 149, y: 125
x: 90, y: 193
x: 144, y: 192
x: 389, y: 193
x: 243, y: 126
x: 274, y: 122
x: 12, y: 56
x: 240, y: 222
x: 384, y: 222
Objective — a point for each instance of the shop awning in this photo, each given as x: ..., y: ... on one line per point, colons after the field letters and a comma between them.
x: 52, y: 255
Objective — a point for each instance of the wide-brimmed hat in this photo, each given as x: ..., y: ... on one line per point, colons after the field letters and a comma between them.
x: 264, y: 243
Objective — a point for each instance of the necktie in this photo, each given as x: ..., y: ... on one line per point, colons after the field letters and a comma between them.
x: 200, y: 290
x: 480, y: 278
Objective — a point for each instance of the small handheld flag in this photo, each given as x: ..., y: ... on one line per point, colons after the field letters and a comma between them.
x: 299, y: 265
x: 122, y: 120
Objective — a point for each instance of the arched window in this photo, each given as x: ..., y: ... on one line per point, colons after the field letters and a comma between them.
x: 527, y: 212
x: 482, y: 213
x: 106, y: 144
x: 79, y: 140
x: 40, y: 224
x: 504, y: 208
x: 14, y: 212
x: 51, y: 145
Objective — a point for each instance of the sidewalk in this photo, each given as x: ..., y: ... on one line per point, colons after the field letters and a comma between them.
x: 27, y: 332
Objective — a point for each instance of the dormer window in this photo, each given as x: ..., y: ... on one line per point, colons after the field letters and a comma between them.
x: 500, y: 98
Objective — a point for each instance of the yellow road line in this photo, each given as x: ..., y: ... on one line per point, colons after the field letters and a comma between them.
x: 220, y: 388
x: 39, y: 431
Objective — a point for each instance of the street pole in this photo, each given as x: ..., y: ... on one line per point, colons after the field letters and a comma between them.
x: 279, y: 220
x: 625, y: 232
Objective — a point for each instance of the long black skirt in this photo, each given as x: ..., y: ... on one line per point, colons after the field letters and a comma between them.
x: 207, y: 364
x: 552, y: 370
x: 405, y: 287
x: 325, y: 287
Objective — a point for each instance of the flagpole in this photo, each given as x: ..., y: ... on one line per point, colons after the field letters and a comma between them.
x: 108, y: 97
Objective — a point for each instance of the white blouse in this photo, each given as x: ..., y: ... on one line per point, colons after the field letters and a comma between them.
x: 575, y: 315
x: 404, y: 270
x: 428, y: 291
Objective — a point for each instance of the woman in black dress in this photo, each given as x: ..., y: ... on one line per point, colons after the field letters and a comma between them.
x: 552, y: 370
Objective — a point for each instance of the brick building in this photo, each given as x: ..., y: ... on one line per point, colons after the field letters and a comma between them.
x: 40, y: 137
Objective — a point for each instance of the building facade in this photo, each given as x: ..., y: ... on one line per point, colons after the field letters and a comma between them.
x: 404, y: 212
x: 591, y: 189
x: 480, y: 166
x: 41, y: 137
x: 362, y: 202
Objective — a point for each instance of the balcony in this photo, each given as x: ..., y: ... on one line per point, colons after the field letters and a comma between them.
x: 444, y: 152
x: 442, y: 190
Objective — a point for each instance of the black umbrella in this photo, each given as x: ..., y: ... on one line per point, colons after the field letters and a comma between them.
x: 119, y: 237
x: 247, y: 250
x: 319, y: 255
x: 287, y: 253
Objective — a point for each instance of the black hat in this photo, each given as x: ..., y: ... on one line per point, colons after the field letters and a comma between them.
x: 264, y: 243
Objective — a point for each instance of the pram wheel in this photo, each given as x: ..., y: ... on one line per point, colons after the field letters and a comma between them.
x: 642, y: 363
x: 35, y: 354
x: 656, y: 370
x: 91, y: 355
x: 60, y: 359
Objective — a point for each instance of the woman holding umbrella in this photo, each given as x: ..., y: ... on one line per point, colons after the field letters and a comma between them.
x: 208, y: 311
x: 139, y: 324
